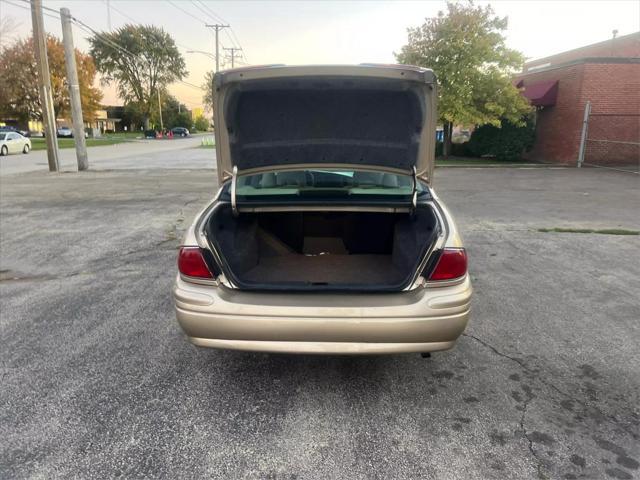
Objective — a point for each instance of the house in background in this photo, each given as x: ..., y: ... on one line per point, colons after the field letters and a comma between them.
x: 106, y: 121
x: 607, y: 74
x: 34, y: 127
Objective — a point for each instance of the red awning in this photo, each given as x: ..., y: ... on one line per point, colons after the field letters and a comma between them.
x: 541, y: 94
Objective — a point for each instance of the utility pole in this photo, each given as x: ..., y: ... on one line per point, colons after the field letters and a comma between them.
x: 108, y: 15
x: 44, y: 82
x: 217, y: 27
x: 585, y: 132
x: 160, y: 110
x: 74, y: 90
x: 233, y: 51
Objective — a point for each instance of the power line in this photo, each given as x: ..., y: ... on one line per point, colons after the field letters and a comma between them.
x: 136, y: 22
x: 231, y: 34
x: 185, y: 11
x: 217, y: 42
x: 191, y: 84
x: 215, y: 16
x: 217, y: 27
x: 189, y: 102
x: 99, y: 36
x: 233, y: 54
x: 118, y: 47
x: 203, y: 10
x: 25, y: 7
x: 122, y: 13
x: 53, y: 10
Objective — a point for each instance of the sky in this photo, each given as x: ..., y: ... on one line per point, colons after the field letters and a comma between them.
x: 329, y: 31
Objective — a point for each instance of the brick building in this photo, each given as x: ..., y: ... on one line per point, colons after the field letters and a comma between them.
x: 607, y: 74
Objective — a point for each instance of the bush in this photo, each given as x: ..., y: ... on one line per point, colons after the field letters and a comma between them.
x: 457, y: 149
x: 506, y: 143
x: 461, y: 150
x: 201, y: 124
x: 182, y: 119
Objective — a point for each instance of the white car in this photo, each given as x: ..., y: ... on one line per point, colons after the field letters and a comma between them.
x: 13, y: 142
x: 64, y: 132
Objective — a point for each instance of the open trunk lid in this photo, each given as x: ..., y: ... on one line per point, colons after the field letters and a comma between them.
x: 365, y: 117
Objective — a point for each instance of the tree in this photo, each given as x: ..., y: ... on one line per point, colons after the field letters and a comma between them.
x: 20, y: 96
x: 207, y: 86
x: 8, y: 29
x: 140, y: 60
x: 201, y: 124
x: 174, y: 113
x: 466, y: 49
x: 133, y: 116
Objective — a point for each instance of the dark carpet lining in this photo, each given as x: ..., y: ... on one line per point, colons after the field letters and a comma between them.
x: 330, y: 269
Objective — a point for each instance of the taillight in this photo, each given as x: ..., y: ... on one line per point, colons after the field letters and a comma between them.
x: 452, y: 264
x: 191, y: 263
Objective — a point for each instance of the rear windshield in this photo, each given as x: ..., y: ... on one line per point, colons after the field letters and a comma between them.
x: 326, y: 184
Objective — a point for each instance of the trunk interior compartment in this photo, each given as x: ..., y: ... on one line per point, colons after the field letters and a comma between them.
x: 311, y: 250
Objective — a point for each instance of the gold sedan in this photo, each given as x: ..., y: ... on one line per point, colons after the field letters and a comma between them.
x: 326, y: 235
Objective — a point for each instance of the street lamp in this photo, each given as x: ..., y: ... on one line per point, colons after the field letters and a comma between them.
x: 210, y: 55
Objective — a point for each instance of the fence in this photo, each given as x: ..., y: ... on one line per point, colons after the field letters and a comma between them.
x: 610, y: 140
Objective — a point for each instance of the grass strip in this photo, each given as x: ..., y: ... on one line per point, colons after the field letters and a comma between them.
x: 602, y: 231
x: 41, y: 144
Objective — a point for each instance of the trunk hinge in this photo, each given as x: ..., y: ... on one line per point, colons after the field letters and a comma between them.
x: 414, y: 192
x: 234, y: 201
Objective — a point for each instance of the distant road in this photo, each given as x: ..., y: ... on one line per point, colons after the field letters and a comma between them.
x: 176, y: 153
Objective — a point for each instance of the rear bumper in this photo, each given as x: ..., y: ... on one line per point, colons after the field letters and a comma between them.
x: 423, y: 320
x: 324, y: 348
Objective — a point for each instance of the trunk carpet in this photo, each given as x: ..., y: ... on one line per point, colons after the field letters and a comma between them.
x: 331, y: 269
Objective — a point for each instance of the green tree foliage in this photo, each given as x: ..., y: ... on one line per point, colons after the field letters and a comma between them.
x: 506, y: 143
x: 207, y: 86
x: 133, y: 116
x: 174, y: 113
x: 182, y: 119
x: 201, y: 124
x: 466, y: 49
x: 139, y: 60
x: 19, y: 93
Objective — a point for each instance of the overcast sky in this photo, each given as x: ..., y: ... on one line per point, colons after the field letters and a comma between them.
x: 298, y: 32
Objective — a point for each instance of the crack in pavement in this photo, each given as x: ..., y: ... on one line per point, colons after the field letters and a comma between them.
x: 172, y: 233
x: 525, y: 406
x: 610, y: 418
x: 523, y: 429
x: 13, y: 276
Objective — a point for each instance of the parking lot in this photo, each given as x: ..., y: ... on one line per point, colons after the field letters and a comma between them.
x: 98, y: 381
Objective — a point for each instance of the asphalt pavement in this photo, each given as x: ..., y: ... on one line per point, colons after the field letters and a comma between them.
x: 133, y: 154
x: 97, y: 380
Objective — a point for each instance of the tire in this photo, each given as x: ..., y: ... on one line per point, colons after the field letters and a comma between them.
x: 183, y: 134
x: 26, y: 149
x: 4, y: 150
